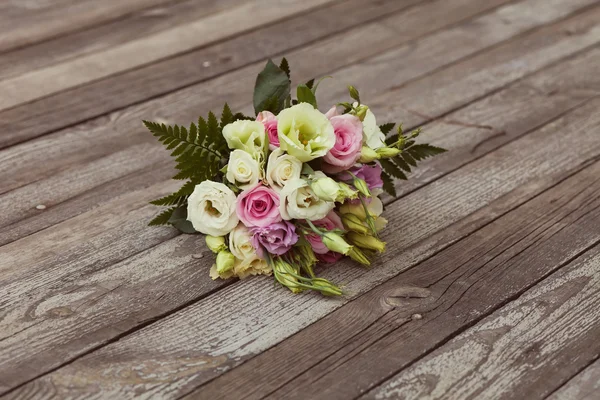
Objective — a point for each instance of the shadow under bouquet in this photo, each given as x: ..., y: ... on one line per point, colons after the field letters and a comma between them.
x: 278, y: 193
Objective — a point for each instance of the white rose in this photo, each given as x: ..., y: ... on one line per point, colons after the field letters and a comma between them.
x: 240, y: 244
x: 249, y: 136
x: 304, y: 132
x: 242, y: 169
x: 372, y: 135
x: 281, y: 168
x: 298, y: 201
x: 211, y: 209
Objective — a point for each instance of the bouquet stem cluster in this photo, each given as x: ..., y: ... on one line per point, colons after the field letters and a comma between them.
x: 292, y: 187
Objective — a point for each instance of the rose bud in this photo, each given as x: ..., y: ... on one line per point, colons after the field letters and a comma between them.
x: 366, y: 241
x: 215, y: 243
x: 225, y: 261
x: 353, y: 223
x: 387, y: 152
x: 359, y: 256
x: 335, y: 242
x: 368, y: 155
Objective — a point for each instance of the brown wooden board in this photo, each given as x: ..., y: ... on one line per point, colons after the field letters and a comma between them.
x: 213, y: 334
x: 584, y: 386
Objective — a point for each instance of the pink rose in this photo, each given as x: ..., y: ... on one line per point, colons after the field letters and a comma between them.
x: 330, y: 222
x: 348, y: 142
x: 258, y: 206
x: 276, y: 238
x: 269, y: 120
x: 330, y: 257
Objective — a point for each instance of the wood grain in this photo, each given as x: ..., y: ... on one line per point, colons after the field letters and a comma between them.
x: 77, y: 104
x: 524, y: 350
x: 583, y: 386
x: 26, y: 22
x: 436, y: 290
x: 145, y: 50
x: 219, y: 332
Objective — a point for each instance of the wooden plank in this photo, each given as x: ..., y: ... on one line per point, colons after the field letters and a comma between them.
x: 584, y: 386
x: 134, y: 53
x: 348, y: 336
x: 524, y: 350
x: 134, y: 25
x: 26, y: 22
x: 114, y: 235
x: 184, y: 350
x: 183, y: 105
x: 77, y: 104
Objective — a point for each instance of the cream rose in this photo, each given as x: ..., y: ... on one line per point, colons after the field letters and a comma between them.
x: 242, y: 169
x: 211, y: 209
x: 372, y: 135
x: 304, y: 132
x: 240, y: 244
x: 249, y: 136
x: 281, y: 168
x: 298, y: 201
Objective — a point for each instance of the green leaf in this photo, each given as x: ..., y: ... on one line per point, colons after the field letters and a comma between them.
x: 387, y: 128
x: 422, y: 151
x: 388, y: 184
x: 285, y: 67
x: 227, y: 116
x: 407, y: 157
x: 271, y: 89
x: 316, y: 85
x: 179, y: 220
x: 177, y: 198
x: 162, y: 218
x: 305, y: 95
x: 310, y: 83
x: 392, y: 169
x: 399, y: 161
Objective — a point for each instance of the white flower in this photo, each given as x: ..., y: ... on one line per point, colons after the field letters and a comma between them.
x: 211, y: 209
x: 242, y: 169
x: 249, y: 136
x: 240, y: 244
x: 298, y: 201
x: 281, y: 168
x: 304, y: 132
x: 372, y: 135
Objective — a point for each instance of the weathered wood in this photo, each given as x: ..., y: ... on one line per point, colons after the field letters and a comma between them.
x: 26, y: 22
x: 117, y: 238
x: 449, y: 290
x: 522, y: 351
x: 584, y: 386
x: 134, y: 25
x: 134, y: 53
x: 77, y: 104
x: 212, y: 335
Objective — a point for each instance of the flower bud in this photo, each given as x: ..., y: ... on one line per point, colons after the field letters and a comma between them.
x: 367, y: 155
x: 354, y: 209
x: 361, y: 186
x: 284, y: 274
x: 387, y: 152
x: 346, y: 192
x: 359, y: 256
x: 225, y: 261
x: 325, y: 188
x: 215, y: 243
x: 361, y: 112
x: 335, y: 242
x: 366, y: 241
x: 325, y: 287
x: 354, y: 223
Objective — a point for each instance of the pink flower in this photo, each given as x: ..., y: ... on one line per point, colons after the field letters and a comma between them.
x: 276, y: 238
x: 370, y: 174
x: 348, y: 142
x: 258, y: 206
x: 269, y: 120
x: 330, y: 257
x: 330, y: 222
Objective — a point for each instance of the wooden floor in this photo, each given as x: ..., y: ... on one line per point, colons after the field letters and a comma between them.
x: 490, y: 287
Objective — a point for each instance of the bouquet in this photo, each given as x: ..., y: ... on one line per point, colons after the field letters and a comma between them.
x: 278, y: 193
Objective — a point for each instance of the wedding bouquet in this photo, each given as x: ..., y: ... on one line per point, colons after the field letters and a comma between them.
x: 278, y: 193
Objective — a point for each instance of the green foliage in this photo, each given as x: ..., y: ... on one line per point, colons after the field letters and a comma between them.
x: 387, y: 128
x: 179, y: 220
x: 411, y: 153
x: 272, y: 88
x: 199, y: 152
x: 285, y: 67
x: 305, y: 95
x: 354, y: 93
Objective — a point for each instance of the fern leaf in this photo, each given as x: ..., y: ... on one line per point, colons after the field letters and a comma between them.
x: 399, y: 161
x: 422, y: 151
x: 285, y: 67
x: 177, y: 198
x: 408, y: 158
x: 387, y: 128
x: 392, y: 169
x: 388, y: 184
x: 227, y: 116
x: 162, y: 218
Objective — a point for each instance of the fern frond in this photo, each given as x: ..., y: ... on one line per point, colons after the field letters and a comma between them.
x: 177, y: 198
x: 162, y: 218
x: 422, y: 151
x: 392, y: 169
x: 388, y: 184
x: 387, y: 128
x: 285, y: 67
